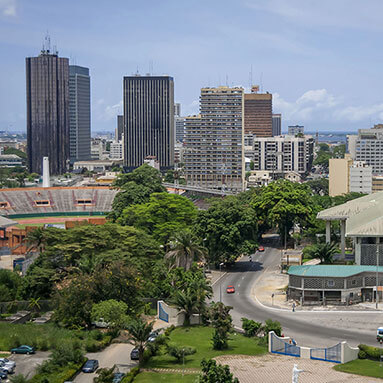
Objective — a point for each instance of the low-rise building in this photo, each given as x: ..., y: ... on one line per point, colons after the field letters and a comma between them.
x: 10, y: 160
x: 334, y: 284
x: 259, y: 178
x: 99, y: 166
x: 293, y: 130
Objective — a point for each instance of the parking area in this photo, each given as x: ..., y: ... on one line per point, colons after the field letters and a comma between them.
x: 116, y: 354
x: 27, y: 364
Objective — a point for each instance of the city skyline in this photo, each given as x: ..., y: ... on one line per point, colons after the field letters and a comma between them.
x: 300, y: 52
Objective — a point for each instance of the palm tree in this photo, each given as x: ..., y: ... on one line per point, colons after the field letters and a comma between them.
x: 139, y: 332
x: 203, y: 291
x: 34, y: 304
x: 325, y: 252
x: 185, y: 249
x: 187, y: 301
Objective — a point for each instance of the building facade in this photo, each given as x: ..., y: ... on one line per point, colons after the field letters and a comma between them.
x: 116, y: 150
x: 79, y: 113
x: 360, y: 178
x: 277, y: 124
x: 293, y: 130
x: 339, y: 176
x: 179, y: 123
x: 369, y: 148
x: 47, y: 88
x: 119, y: 128
x: 214, y: 148
x: 149, y: 120
x: 258, y: 112
x: 280, y: 154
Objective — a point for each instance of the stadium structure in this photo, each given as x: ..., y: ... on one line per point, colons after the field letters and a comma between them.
x: 51, y: 201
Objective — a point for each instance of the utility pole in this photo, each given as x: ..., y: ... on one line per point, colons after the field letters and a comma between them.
x: 377, y: 275
x: 220, y: 287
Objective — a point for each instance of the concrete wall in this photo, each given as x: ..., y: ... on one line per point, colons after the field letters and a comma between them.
x: 176, y: 317
x: 348, y: 353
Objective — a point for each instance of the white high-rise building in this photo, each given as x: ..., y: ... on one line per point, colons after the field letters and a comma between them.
x: 360, y: 178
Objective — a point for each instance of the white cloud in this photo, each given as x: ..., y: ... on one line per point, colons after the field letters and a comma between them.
x: 318, y: 103
x: 8, y: 7
x: 191, y: 109
x: 360, y: 113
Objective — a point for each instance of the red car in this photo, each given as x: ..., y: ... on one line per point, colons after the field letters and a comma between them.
x: 230, y: 289
x: 261, y: 248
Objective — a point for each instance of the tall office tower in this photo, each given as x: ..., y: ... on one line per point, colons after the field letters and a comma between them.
x: 149, y: 120
x: 177, y: 109
x: 79, y: 113
x: 293, y: 130
x: 119, y: 128
x: 214, y: 156
x: 258, y: 113
x: 277, y: 124
x: 47, y: 86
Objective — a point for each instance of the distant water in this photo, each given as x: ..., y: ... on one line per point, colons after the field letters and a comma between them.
x: 332, y: 136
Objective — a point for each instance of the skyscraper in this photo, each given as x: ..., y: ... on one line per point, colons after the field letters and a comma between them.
x: 79, y: 113
x: 47, y: 86
x: 277, y: 124
x: 258, y: 113
x: 214, y: 147
x: 119, y: 128
x: 149, y: 120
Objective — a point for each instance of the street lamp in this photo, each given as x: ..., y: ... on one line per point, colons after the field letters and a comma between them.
x: 220, y: 287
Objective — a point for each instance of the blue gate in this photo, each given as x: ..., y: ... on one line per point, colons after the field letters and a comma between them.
x: 329, y: 354
x: 281, y: 346
x: 162, y: 314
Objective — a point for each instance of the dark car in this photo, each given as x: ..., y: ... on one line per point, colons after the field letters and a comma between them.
x: 230, y: 289
x: 135, y: 354
x: 24, y: 349
x: 90, y: 365
x: 117, y: 377
x: 3, y: 375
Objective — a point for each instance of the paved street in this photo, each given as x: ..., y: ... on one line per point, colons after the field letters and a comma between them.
x: 118, y: 353
x: 322, y: 328
x: 27, y: 364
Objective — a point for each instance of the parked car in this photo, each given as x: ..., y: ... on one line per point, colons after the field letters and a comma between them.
x: 230, y: 289
x: 3, y: 375
x: 135, y: 354
x: 261, y: 248
x: 90, y: 365
x: 7, y: 365
x: 117, y: 377
x: 153, y: 336
x: 24, y: 349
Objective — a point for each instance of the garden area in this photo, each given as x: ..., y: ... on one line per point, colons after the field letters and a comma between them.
x: 362, y: 367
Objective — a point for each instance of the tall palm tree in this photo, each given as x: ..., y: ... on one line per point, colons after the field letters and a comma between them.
x: 203, y: 291
x: 139, y: 332
x: 187, y: 301
x: 184, y: 249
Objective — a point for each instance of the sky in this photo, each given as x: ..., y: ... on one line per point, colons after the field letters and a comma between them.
x: 321, y: 60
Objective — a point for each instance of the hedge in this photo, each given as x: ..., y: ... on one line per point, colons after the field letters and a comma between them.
x: 129, y: 378
x: 369, y: 352
x: 59, y: 376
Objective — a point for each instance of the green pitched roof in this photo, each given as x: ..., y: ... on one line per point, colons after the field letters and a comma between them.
x: 331, y: 270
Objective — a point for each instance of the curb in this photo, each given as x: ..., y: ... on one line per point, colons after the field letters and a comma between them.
x: 219, y: 278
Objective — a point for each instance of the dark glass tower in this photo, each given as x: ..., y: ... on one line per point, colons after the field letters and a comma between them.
x: 47, y: 78
x: 149, y: 120
x: 79, y: 113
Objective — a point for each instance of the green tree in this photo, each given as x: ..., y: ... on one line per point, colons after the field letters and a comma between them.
x: 162, y: 216
x: 271, y: 325
x: 229, y: 228
x: 322, y: 159
x: 251, y: 165
x: 221, y: 320
x: 105, y: 375
x: 10, y: 283
x: 216, y: 373
x: 139, y: 332
x: 19, y: 378
x: 184, y: 249
x: 324, y: 251
x: 319, y: 186
x: 339, y: 151
x: 179, y: 352
x: 187, y: 301
x: 169, y: 176
x: 112, y: 312
x: 251, y: 327
x: 282, y: 204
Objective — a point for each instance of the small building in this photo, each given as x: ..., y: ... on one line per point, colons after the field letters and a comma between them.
x: 100, y: 166
x: 259, y: 178
x: 10, y: 160
x: 293, y: 176
x: 334, y: 284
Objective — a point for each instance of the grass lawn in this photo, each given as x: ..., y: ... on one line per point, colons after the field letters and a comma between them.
x: 200, y: 338
x: 150, y: 377
x: 363, y: 367
x: 4, y: 355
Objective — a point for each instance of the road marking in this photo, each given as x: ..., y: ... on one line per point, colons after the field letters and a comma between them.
x: 219, y: 278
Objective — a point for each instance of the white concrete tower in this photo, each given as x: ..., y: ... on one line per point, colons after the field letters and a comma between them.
x: 46, y: 177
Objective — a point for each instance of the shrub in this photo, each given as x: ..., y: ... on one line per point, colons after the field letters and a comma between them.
x: 370, y: 352
x: 219, y: 340
x: 169, y: 330
x: 271, y: 325
x: 251, y: 327
x: 129, y: 378
x: 179, y: 352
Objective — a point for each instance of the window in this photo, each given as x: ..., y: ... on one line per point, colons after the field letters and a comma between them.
x: 4, y: 205
x: 353, y: 282
x: 42, y: 203
x: 84, y: 202
x: 330, y: 283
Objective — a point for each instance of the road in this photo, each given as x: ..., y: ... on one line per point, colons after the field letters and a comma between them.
x: 312, y: 329
x: 116, y: 354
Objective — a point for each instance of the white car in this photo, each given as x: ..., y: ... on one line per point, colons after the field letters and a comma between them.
x: 7, y: 365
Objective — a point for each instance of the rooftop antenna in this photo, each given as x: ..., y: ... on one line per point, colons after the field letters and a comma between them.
x: 47, y: 43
